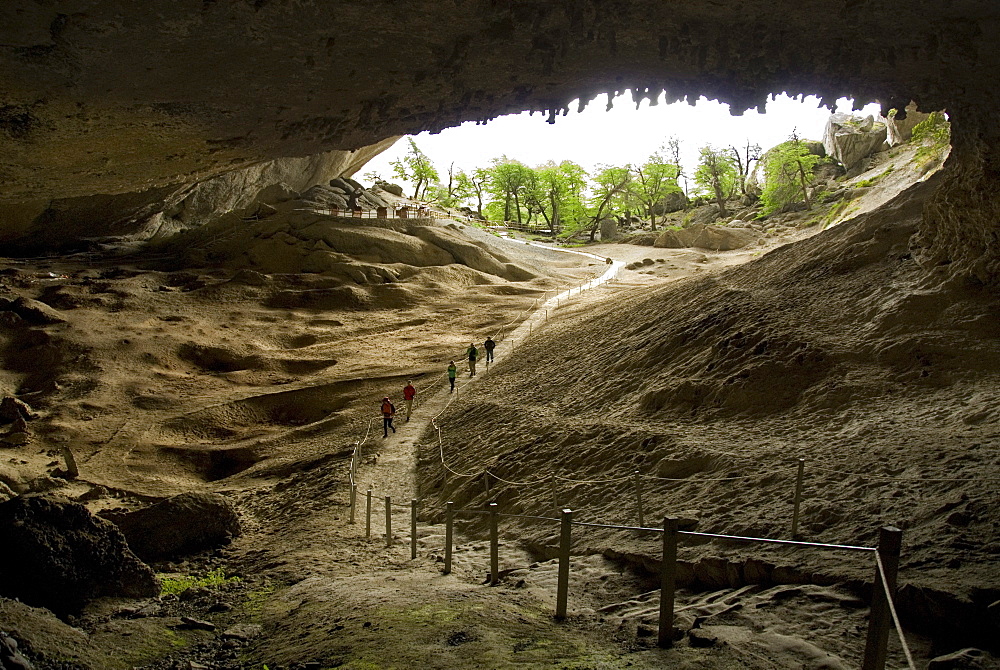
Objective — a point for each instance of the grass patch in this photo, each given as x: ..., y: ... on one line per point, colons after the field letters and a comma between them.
x: 176, y: 585
x: 871, y: 181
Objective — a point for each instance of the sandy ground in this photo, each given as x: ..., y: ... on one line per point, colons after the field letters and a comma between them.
x: 167, y: 380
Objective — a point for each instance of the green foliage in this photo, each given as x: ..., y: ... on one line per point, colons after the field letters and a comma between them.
x: 655, y: 180
x: 416, y: 168
x: 871, y: 181
x: 934, y: 136
x: 180, y: 584
x: 716, y: 175
x: 788, y: 171
x: 935, y: 128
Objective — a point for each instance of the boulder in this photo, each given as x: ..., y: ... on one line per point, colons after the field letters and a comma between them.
x: 36, y: 312
x: 900, y: 130
x: 963, y: 659
x: 609, y: 230
x: 59, y: 556
x: 706, y: 236
x: 851, y: 139
x: 394, y: 189
x: 12, y: 409
x: 179, y: 525
x: 673, y: 202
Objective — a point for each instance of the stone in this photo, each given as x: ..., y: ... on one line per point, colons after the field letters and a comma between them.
x: 63, y: 556
x: 179, y: 525
x: 699, y: 637
x: 10, y: 657
x: 851, y: 139
x: 35, y: 312
x: 609, y: 230
x: 394, y: 189
x: 706, y: 236
x: 672, y: 202
x: 12, y: 409
x: 901, y: 130
x: 963, y: 659
x: 196, y: 624
x: 243, y: 631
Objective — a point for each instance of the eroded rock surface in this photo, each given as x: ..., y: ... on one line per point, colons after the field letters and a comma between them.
x: 181, y: 524
x: 59, y: 556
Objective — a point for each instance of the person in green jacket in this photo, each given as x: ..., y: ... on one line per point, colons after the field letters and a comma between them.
x: 473, y: 354
x: 452, y: 373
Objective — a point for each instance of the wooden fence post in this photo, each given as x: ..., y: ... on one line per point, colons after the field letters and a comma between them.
x: 368, y: 515
x: 354, y: 499
x: 388, y: 521
x: 413, y: 528
x: 638, y: 496
x: 565, y: 540
x: 889, y: 541
x: 798, y: 498
x: 494, y: 546
x: 668, y: 582
x: 449, y: 520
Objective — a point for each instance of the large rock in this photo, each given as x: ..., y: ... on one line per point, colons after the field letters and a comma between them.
x: 179, y: 525
x: 851, y: 139
x: 706, y: 236
x: 672, y: 202
x: 901, y: 130
x: 609, y: 230
x: 59, y: 556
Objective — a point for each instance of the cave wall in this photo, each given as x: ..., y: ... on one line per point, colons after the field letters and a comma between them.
x: 100, y: 97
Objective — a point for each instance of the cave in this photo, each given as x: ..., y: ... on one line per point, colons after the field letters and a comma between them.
x: 141, y: 144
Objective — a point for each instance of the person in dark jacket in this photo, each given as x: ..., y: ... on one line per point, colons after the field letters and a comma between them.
x: 473, y: 354
x: 388, y: 411
x: 489, y: 345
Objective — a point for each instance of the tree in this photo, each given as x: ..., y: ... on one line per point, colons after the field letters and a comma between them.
x: 716, y: 174
x: 609, y: 192
x: 655, y: 180
x: 743, y: 158
x: 469, y: 186
x: 561, y: 189
x: 788, y: 173
x: 507, y: 179
x: 415, y: 167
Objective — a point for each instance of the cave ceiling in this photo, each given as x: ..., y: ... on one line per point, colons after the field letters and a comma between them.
x: 107, y: 97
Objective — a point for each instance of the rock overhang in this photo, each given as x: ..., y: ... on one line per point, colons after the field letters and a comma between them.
x: 106, y: 98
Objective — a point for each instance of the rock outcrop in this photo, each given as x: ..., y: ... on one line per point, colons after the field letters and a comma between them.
x: 59, y: 556
x: 179, y: 525
x: 900, y: 130
x: 706, y: 236
x: 851, y: 139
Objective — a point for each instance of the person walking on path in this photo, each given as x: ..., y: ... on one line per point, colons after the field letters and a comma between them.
x: 473, y: 354
x: 408, y: 394
x: 489, y: 345
x: 388, y: 410
x: 452, y: 373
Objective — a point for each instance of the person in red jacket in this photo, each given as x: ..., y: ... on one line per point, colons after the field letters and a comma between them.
x: 388, y: 410
x: 409, y: 393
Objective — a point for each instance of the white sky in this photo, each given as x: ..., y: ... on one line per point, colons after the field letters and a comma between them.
x: 622, y: 135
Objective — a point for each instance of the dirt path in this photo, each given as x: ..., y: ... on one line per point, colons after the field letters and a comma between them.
x: 387, y: 465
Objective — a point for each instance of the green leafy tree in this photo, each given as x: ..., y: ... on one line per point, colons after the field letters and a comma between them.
x: 506, y: 183
x: 716, y: 174
x: 788, y: 173
x: 654, y: 180
x: 609, y: 193
x: 416, y: 168
x: 561, y: 188
x: 472, y: 187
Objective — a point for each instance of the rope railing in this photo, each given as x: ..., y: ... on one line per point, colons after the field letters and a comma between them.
x: 883, y: 609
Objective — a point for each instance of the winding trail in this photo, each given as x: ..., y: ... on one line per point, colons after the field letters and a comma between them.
x: 388, y: 465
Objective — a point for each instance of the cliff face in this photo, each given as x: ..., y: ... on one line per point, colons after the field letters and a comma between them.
x: 102, y: 98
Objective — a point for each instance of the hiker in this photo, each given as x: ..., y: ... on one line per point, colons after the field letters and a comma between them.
x: 388, y: 410
x: 452, y: 373
x: 489, y: 345
x: 408, y: 394
x: 473, y: 354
